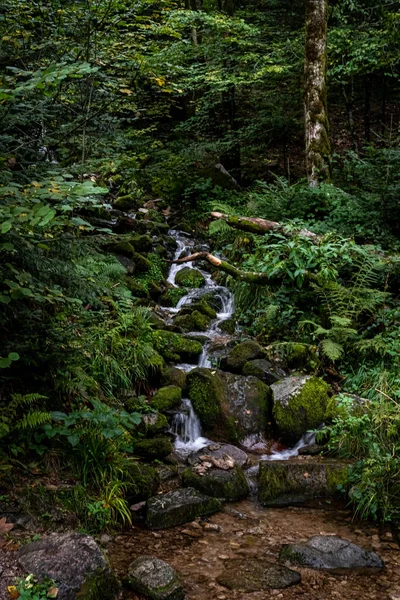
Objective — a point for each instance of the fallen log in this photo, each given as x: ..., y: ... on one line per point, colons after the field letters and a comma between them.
x: 259, y: 226
x: 222, y: 265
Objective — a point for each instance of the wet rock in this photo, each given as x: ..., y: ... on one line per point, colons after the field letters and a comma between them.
x: 228, y: 485
x: 174, y: 376
x: 154, y: 578
x: 312, y: 450
x: 190, y: 278
x: 154, y: 448
x: 153, y: 423
x: 264, y: 370
x: 178, y: 507
x: 254, y: 575
x: 144, y: 479
x: 284, y: 483
x: 228, y: 326
x: 300, y: 403
x: 240, y: 355
x: 195, y: 321
x: 218, y: 451
x: 175, y: 347
x: 75, y: 562
x: 200, y: 306
x: 166, y: 398
x: 330, y: 552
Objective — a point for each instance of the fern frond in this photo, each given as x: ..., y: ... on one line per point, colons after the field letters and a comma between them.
x: 219, y: 226
x: 34, y: 419
x: 333, y: 350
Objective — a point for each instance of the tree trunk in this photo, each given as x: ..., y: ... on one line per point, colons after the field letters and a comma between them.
x: 259, y: 226
x: 315, y: 104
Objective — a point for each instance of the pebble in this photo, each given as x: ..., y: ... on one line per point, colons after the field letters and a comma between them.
x: 223, y: 557
x: 192, y: 534
x: 104, y: 539
x: 211, y: 527
x: 156, y: 534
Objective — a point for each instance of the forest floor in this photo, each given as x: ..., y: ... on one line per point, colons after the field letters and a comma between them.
x: 243, y: 530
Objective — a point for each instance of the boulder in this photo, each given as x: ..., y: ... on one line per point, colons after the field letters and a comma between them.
x: 143, y: 482
x: 190, y: 278
x: 76, y: 564
x: 284, y: 483
x: 263, y: 369
x: 154, y: 578
x: 153, y: 423
x: 219, y: 451
x: 154, y: 448
x: 240, y: 355
x: 230, y: 485
x: 178, y: 507
x: 330, y: 552
x: 300, y: 404
x: 229, y: 406
x: 166, y: 398
x: 201, y: 306
x: 255, y: 574
x: 174, y: 376
x: 195, y: 321
x: 175, y: 347
x: 228, y: 326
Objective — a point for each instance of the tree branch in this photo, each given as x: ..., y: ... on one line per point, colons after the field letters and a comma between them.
x: 259, y: 226
x: 258, y: 278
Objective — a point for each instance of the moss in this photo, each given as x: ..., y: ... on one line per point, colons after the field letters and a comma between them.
x: 100, y: 585
x: 242, y: 353
x: 229, y: 486
x: 166, y: 398
x: 174, y: 376
x: 154, y: 448
x: 142, y: 482
x: 337, y: 477
x: 126, y: 202
x: 191, y: 278
x: 297, y: 356
x: 195, y: 321
x: 141, y: 243
x: 172, y: 296
x: 200, y: 306
x: 303, y: 410
x: 155, y: 216
x: 153, y: 423
x: 206, y: 392
x: 136, y: 288
x: 175, y: 347
x: 273, y: 483
x: 228, y: 326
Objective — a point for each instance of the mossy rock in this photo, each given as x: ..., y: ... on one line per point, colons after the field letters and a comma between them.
x: 166, y: 398
x: 301, y: 356
x: 179, y: 507
x: 172, y: 296
x: 200, y: 306
x: 263, y: 369
x: 240, y: 355
x: 157, y: 322
x: 229, y: 486
x: 194, y: 321
x: 142, y: 482
x: 285, y: 483
x: 228, y: 326
x: 154, y: 448
x: 300, y: 404
x: 155, y: 216
x: 127, y: 202
x: 136, y: 288
x: 206, y: 391
x: 190, y: 278
x: 141, y: 243
x: 153, y: 423
x: 155, y: 579
x: 174, y: 376
x: 175, y: 347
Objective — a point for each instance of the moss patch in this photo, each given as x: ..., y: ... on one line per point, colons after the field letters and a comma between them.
x: 229, y: 486
x: 191, y: 278
x: 194, y: 321
x: 240, y: 354
x: 166, y: 398
x: 175, y: 347
x: 152, y: 449
x: 143, y: 482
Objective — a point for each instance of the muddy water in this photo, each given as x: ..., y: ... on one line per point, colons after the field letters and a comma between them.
x: 245, y: 530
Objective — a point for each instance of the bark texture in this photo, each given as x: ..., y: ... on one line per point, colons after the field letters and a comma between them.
x: 315, y: 104
x: 259, y: 226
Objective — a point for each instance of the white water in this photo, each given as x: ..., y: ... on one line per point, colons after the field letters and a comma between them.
x: 186, y: 426
x: 306, y: 440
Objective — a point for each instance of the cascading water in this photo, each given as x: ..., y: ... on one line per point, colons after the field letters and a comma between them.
x: 186, y: 426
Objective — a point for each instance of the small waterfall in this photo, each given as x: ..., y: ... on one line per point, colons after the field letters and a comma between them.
x: 186, y: 426
x: 182, y: 245
x: 306, y: 440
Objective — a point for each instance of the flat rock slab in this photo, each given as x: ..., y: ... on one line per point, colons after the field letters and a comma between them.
x: 155, y: 579
x: 178, y: 507
x: 330, y: 552
x: 252, y: 575
x: 75, y: 562
x: 219, y: 451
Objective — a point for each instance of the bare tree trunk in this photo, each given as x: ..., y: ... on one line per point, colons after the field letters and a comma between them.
x: 315, y: 104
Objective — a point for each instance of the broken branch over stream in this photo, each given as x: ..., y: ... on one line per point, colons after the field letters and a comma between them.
x: 222, y: 265
x: 259, y: 226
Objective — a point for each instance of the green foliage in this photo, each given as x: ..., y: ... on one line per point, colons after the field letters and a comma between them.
x: 29, y: 588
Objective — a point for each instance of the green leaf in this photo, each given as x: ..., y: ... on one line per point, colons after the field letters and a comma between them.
x: 73, y: 439
x: 13, y: 356
x: 6, y: 226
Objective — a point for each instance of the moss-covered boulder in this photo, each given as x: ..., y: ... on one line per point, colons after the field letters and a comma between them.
x: 126, y: 202
x: 263, y: 369
x: 175, y: 347
x: 76, y: 562
x: 137, y: 288
x: 178, y: 507
x: 153, y: 448
x: 190, y: 278
x: 141, y: 243
x: 240, y: 355
x: 228, y: 326
x: 228, y: 486
x: 172, y: 296
x: 166, y: 398
x: 142, y: 482
x: 290, y: 482
x: 201, y: 306
x: 174, y: 376
x: 195, y: 321
x: 153, y: 423
x: 300, y: 404
x: 301, y: 356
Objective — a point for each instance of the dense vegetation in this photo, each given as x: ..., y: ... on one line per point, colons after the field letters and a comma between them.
x: 114, y: 106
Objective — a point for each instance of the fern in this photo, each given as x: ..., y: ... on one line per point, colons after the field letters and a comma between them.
x: 218, y: 227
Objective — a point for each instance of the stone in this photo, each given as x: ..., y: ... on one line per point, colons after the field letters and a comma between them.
x: 201, y: 306
x: 166, y: 398
x: 178, y: 507
x: 195, y: 321
x: 154, y: 578
x: 190, y: 278
x: 218, y: 451
x: 143, y: 482
x: 241, y: 354
x: 330, y: 552
x: 75, y: 562
x: 264, y: 370
x: 300, y: 404
x: 228, y: 326
x: 254, y: 575
x: 175, y: 347
x: 153, y: 448
x: 153, y: 423
x: 290, y: 482
x: 230, y: 485
x: 174, y: 376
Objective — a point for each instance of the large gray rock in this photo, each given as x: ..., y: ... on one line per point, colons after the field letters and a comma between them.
x: 178, y: 507
x: 254, y: 575
x: 300, y: 404
x: 75, y: 562
x: 219, y: 451
x: 240, y: 354
x: 289, y: 482
x: 264, y: 370
x: 330, y: 552
x: 155, y: 579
